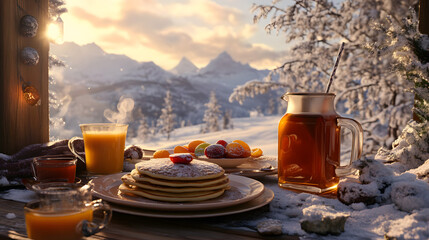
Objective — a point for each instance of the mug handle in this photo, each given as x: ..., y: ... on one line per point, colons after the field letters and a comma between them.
x: 71, y: 147
x: 33, y: 168
x: 357, y: 144
x: 91, y: 228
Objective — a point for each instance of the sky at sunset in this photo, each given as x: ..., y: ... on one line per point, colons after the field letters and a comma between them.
x: 164, y: 31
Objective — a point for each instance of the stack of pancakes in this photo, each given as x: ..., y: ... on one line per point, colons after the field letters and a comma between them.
x: 160, y: 179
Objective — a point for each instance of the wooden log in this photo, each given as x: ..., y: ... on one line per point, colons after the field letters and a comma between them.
x: 20, y: 123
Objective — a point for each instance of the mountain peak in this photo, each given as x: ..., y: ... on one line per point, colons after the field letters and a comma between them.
x: 184, y: 67
x: 148, y: 68
x: 93, y: 48
x: 224, y: 64
x: 224, y: 56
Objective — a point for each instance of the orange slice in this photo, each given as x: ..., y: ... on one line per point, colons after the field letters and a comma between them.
x: 161, y: 154
x: 246, y: 147
x: 256, y: 152
x: 180, y: 149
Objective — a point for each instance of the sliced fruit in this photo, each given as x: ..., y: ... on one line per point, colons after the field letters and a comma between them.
x: 256, y: 152
x: 180, y: 149
x: 246, y: 147
x: 161, y: 154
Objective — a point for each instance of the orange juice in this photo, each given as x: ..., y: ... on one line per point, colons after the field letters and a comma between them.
x: 104, y: 151
x: 64, y: 226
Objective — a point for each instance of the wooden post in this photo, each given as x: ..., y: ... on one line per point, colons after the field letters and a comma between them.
x: 20, y: 123
x: 424, y: 17
x: 424, y: 29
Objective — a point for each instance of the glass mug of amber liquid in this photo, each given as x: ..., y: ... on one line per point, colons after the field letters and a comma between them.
x: 309, y: 143
x: 65, y: 211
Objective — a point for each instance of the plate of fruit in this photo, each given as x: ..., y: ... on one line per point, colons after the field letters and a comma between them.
x: 225, y: 154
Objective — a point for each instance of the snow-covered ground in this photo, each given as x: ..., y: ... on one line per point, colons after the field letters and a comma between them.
x: 256, y: 131
x: 376, y: 221
x: 364, y: 222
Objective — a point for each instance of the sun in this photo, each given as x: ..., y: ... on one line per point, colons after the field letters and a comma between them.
x: 55, y: 31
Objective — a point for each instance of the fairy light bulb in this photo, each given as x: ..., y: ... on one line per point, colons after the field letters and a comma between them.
x: 31, y: 95
x: 56, y: 31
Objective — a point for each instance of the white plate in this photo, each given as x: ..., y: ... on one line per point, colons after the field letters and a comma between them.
x: 242, y: 190
x: 262, y: 200
x: 226, y: 162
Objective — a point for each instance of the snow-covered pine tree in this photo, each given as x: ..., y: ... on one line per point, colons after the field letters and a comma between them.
x: 212, y: 114
x: 57, y: 102
x: 409, y: 50
x: 227, y: 120
x: 271, y: 107
x: 143, y: 131
x: 166, y: 122
x: 153, y: 127
x: 403, y: 171
x: 365, y: 86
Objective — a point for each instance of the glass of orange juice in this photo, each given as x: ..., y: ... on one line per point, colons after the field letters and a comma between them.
x: 104, y: 147
x: 64, y: 211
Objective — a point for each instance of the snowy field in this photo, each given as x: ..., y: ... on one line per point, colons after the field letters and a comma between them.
x: 257, y: 132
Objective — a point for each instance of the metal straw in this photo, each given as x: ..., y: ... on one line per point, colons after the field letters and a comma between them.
x: 335, y: 67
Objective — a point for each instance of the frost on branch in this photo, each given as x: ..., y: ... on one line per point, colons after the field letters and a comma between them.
x: 58, y: 101
x: 56, y: 8
x: 54, y: 61
x: 366, y: 87
x: 251, y: 89
x: 409, y: 51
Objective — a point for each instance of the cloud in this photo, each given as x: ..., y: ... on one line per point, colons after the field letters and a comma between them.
x: 208, y: 12
x: 144, y: 22
x: 81, y: 13
x: 197, y: 29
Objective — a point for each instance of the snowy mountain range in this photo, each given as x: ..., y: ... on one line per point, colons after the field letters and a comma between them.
x: 184, y: 68
x: 94, y: 81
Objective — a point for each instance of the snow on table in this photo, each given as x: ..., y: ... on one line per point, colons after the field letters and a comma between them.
x: 371, y: 222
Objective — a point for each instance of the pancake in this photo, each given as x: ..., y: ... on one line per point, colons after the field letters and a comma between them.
x: 130, y: 181
x: 164, y: 168
x: 176, y: 183
x: 180, y: 197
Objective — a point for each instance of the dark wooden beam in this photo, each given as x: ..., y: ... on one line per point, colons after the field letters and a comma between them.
x: 424, y: 16
x: 423, y: 28
x: 20, y: 123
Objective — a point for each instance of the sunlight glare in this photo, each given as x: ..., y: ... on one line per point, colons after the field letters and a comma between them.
x: 55, y: 31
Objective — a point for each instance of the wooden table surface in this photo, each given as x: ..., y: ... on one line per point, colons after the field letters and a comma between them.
x: 125, y: 226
